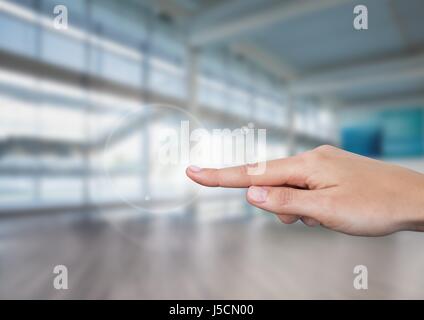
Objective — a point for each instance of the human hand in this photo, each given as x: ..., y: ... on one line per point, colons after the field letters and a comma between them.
x: 339, y: 190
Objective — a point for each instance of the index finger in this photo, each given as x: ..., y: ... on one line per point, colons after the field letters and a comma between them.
x: 278, y: 172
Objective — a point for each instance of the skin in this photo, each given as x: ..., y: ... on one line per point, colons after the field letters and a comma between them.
x: 330, y: 187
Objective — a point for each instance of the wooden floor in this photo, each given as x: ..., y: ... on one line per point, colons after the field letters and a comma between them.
x: 180, y: 259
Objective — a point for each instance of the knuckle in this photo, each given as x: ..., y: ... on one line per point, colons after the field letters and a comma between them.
x: 336, y: 201
x: 325, y: 148
x: 245, y: 173
x: 304, y: 159
x: 320, y: 153
x: 312, y: 157
x: 243, y: 170
x: 219, y: 178
x: 322, y: 199
x: 327, y: 203
x: 284, y: 196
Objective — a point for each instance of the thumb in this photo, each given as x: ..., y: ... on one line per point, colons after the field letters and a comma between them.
x: 284, y: 200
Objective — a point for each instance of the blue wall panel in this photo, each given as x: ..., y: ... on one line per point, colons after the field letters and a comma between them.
x: 392, y: 133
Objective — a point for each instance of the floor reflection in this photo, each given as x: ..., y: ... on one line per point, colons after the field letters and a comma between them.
x: 172, y: 258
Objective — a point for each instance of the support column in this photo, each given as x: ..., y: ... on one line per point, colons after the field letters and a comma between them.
x: 87, y: 153
x: 36, y: 179
x: 192, y: 76
x: 145, y: 183
x: 249, y: 209
x: 192, y: 79
x: 291, y: 134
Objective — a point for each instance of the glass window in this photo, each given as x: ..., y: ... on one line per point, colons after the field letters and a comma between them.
x: 17, y: 36
x: 17, y: 118
x: 212, y: 92
x: 46, y: 109
x: 16, y: 191
x: 61, y: 190
x: 166, y: 78
x: 118, y: 21
x: 120, y: 69
x: 62, y: 50
x: 270, y: 111
x: 61, y: 124
x: 239, y: 102
x: 76, y: 9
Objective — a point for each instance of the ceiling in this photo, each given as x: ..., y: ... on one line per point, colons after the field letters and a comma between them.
x: 316, y: 41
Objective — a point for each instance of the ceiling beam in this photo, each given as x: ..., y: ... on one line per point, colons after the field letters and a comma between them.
x: 275, y: 66
x: 338, y: 85
x: 169, y: 7
x: 395, y: 70
x: 387, y: 103
x: 213, y: 32
x: 209, y: 15
x: 272, y: 64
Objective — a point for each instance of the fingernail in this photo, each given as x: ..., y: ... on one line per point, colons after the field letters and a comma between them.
x: 257, y: 194
x: 194, y: 168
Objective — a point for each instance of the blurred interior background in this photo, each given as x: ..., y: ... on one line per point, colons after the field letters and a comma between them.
x: 296, y: 68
